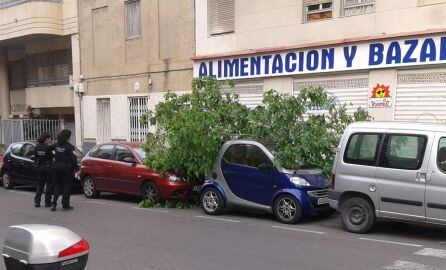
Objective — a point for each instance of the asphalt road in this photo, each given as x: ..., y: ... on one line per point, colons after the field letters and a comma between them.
x: 125, y: 237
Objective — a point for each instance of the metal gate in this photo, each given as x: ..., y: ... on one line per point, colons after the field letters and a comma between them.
x: 137, y: 108
x: 104, y: 118
x: 15, y: 130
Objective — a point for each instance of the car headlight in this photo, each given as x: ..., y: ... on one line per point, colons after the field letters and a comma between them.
x: 174, y: 178
x: 299, y: 181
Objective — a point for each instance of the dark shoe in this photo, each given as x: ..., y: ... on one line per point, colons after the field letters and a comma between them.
x: 36, y: 204
x: 53, y: 207
x: 67, y: 208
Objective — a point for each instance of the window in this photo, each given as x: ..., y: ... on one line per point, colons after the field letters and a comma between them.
x: 318, y: 10
x: 28, y: 151
x: 104, y: 152
x: 247, y: 155
x: 137, y: 108
x: 441, y: 155
x: 141, y: 152
x: 355, y: 7
x: 123, y: 152
x: 133, y: 19
x: 221, y: 16
x: 403, y: 152
x: 362, y: 149
x: 104, y: 119
x: 15, y: 149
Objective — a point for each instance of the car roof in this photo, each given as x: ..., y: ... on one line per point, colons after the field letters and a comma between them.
x: 125, y: 143
x: 416, y: 126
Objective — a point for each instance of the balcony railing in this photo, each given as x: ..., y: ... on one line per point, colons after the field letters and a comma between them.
x: 10, y: 3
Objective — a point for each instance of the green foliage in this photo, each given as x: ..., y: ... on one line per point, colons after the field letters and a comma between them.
x: 305, y: 127
x: 169, y: 204
x: 192, y: 127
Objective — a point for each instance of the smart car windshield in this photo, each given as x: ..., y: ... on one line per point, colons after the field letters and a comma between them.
x: 141, y: 152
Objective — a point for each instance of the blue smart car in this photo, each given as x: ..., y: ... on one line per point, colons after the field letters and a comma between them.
x: 245, y: 175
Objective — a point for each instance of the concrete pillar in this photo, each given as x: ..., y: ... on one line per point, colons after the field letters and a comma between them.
x: 5, y: 108
x: 75, y: 52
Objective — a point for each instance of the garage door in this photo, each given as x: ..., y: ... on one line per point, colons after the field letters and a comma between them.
x: 421, y: 97
x: 351, y: 91
x: 250, y: 92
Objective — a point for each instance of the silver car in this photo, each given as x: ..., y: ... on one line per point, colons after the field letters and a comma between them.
x: 390, y: 170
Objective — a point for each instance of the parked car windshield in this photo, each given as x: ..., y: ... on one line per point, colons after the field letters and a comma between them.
x: 141, y: 152
x: 2, y: 150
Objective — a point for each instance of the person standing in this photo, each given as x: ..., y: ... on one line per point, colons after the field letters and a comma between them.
x: 65, y: 166
x: 43, y: 159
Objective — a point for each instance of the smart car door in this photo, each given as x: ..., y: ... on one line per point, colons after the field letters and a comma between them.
x: 15, y: 162
x: 244, y: 176
x: 436, y: 182
x: 402, y: 173
x: 27, y: 164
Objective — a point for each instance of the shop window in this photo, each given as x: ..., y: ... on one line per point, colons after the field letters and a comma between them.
x: 357, y: 7
x: 133, y: 19
x: 318, y: 10
x: 221, y: 16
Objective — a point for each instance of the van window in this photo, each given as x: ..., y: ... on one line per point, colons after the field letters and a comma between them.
x: 403, y: 152
x: 362, y: 149
x: 441, y: 155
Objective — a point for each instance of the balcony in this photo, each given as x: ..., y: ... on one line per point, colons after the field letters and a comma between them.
x: 25, y: 19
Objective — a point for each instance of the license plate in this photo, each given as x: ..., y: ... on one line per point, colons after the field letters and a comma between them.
x: 196, y: 188
x: 322, y: 201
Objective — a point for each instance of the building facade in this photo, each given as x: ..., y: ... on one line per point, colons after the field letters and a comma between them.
x: 132, y: 53
x: 386, y: 56
x: 39, y: 53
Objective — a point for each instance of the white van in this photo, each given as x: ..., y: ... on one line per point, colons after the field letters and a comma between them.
x: 390, y: 170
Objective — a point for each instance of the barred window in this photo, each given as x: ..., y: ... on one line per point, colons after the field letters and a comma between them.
x: 221, y: 16
x: 356, y: 7
x: 133, y: 19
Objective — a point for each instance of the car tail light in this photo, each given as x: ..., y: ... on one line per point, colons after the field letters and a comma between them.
x: 79, y: 247
x: 333, y: 178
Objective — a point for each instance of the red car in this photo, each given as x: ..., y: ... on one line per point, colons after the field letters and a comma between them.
x: 118, y: 167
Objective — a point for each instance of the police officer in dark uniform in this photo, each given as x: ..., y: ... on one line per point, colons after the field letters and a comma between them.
x: 43, y: 160
x: 65, y: 166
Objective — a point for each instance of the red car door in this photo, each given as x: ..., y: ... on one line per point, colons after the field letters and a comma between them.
x: 126, y: 172
x: 100, y: 166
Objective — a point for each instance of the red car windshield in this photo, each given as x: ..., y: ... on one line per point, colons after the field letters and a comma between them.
x: 2, y: 150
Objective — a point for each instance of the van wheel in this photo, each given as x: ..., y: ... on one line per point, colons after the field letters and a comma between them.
x: 150, y: 192
x: 357, y: 215
x: 7, y: 182
x: 287, y: 209
x: 89, y: 188
x: 212, y: 201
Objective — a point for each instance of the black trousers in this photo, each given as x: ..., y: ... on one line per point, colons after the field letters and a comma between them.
x: 63, y: 180
x: 44, y: 179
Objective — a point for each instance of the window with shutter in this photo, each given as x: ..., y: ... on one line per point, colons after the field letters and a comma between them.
x: 133, y: 19
x: 357, y: 7
x: 17, y: 75
x: 221, y: 16
x: 318, y: 10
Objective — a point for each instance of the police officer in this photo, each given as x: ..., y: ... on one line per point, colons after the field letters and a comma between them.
x: 43, y: 159
x: 65, y: 166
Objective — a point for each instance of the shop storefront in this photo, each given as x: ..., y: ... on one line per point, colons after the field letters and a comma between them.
x: 400, y: 78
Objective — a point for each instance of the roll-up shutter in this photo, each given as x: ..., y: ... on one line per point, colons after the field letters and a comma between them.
x: 221, y: 14
x: 250, y: 92
x: 351, y: 91
x: 421, y: 97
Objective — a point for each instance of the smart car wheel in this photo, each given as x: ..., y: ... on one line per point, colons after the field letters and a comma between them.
x: 7, y: 182
x: 89, y: 188
x: 287, y: 209
x: 212, y: 201
x: 358, y: 215
x: 150, y: 192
